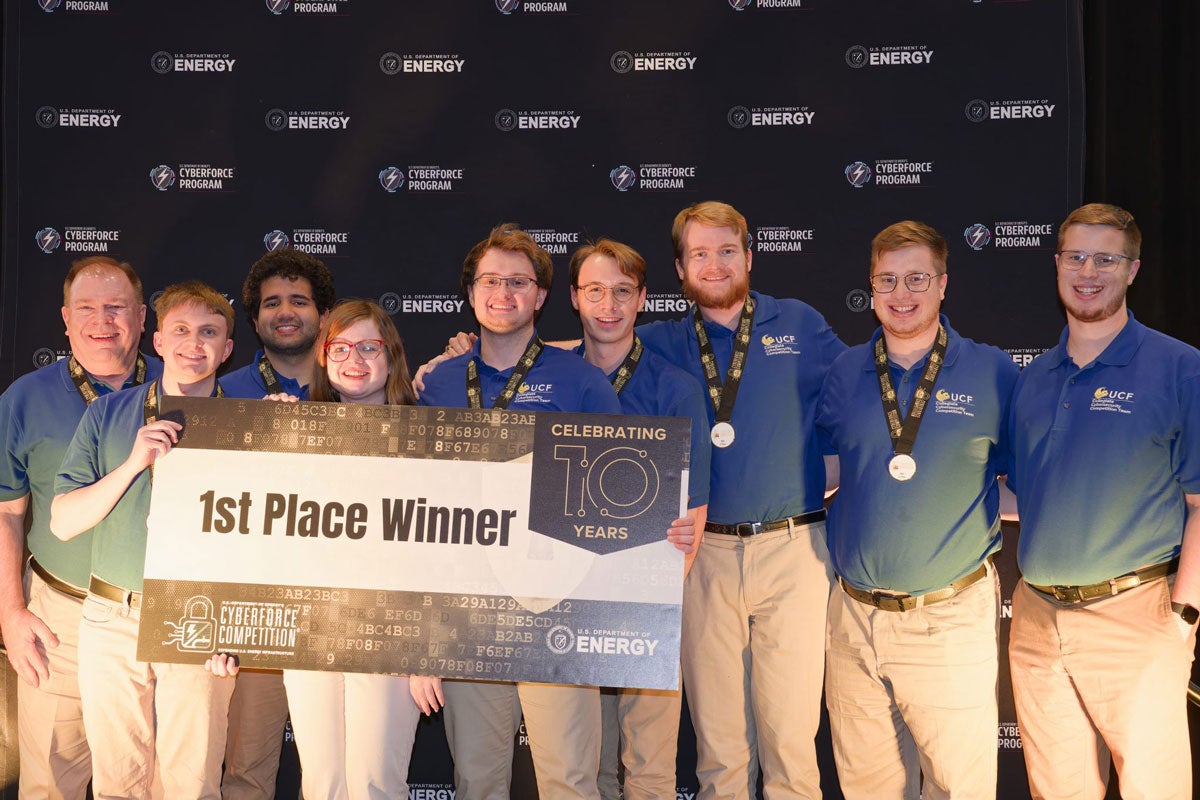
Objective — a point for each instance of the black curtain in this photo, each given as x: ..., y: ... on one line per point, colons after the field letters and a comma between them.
x: 1143, y: 134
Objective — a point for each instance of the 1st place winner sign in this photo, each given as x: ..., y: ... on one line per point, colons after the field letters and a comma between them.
x: 484, y: 544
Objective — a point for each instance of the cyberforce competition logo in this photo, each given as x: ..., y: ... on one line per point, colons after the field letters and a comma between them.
x: 742, y: 5
x: 949, y: 401
x: 653, y: 177
x: 85, y: 6
x: 193, y: 178
x: 392, y: 63
x: 164, y: 62
x: 509, y: 7
x: 280, y: 7
x: 562, y: 640
x: 740, y: 117
x: 1107, y: 398
x: 396, y: 303
x: 317, y: 241
x: 53, y: 117
x: 982, y: 110
x: 249, y: 626
x: 624, y: 62
x: 508, y: 120
x: 889, y: 172
x: 421, y: 178
x: 279, y: 119
x: 858, y: 56
x: 1022, y: 235
x: 77, y: 239
x: 781, y: 239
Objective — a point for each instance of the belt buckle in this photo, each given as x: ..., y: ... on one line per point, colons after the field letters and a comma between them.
x: 1123, y: 582
x: 749, y: 528
x: 880, y: 598
x: 1068, y: 594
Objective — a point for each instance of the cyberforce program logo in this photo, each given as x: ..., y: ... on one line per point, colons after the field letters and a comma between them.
x: 857, y: 174
x: 194, y: 632
x: 507, y: 7
x: 980, y: 110
x: 781, y: 239
x: 280, y: 7
x: 507, y: 120
x: 278, y: 119
x: 51, y: 117
x: 434, y: 178
x: 623, y: 178
x: 858, y: 56
x: 742, y: 5
x: 555, y: 242
x: 392, y: 63
x: 623, y: 62
x: 391, y: 179
x: 560, y: 640
x: 977, y: 236
x: 740, y: 117
x: 319, y: 241
x: 49, y: 5
x: 48, y: 240
x: 162, y: 177
x: 276, y: 240
x: 87, y: 6
x: 948, y: 401
x: 163, y: 62
x: 1117, y: 401
x: 661, y: 177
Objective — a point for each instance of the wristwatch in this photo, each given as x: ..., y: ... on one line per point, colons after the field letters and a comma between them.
x: 1189, y: 614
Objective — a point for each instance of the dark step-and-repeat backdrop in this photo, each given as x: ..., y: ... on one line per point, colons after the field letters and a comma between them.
x: 190, y: 137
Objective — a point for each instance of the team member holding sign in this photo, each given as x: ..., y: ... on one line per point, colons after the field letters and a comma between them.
x: 355, y: 731
x: 142, y: 718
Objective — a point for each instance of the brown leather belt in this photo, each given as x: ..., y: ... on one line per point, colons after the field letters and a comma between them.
x: 889, y: 601
x: 1110, y: 587
x: 755, y: 528
x: 57, y: 584
x: 110, y: 591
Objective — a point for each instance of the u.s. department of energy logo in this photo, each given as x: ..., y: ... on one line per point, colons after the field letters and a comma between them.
x: 977, y: 236
x: 738, y: 117
x: 560, y: 640
x: 977, y: 110
x: 276, y: 119
x: 858, y: 300
x: 623, y: 178
x: 47, y: 116
x: 390, y: 63
x: 856, y: 56
x: 621, y: 62
x: 391, y: 179
x: 857, y: 174
x: 506, y: 119
x: 162, y: 62
x: 43, y: 357
x: 162, y: 177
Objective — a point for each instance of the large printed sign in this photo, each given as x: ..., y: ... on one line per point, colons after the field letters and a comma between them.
x: 489, y: 544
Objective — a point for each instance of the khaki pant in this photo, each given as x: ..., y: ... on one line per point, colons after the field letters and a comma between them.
x: 258, y: 714
x: 754, y: 659
x: 640, y: 729
x: 912, y: 693
x: 1106, y: 675
x: 141, y: 715
x: 55, y: 759
x: 563, y: 723
x: 354, y: 733
x: 482, y: 717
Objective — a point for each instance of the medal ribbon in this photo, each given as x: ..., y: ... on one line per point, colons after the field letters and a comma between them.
x: 268, y: 375
x: 83, y: 383
x: 475, y: 391
x: 625, y: 372
x: 150, y: 410
x: 904, y: 432
x: 723, y: 396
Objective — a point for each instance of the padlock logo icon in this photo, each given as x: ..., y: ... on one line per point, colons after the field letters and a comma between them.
x: 193, y: 633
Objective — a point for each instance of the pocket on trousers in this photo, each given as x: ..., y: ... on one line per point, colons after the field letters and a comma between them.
x: 98, y: 612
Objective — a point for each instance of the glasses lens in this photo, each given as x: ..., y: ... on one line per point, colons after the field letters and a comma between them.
x: 918, y: 282
x: 883, y: 283
x: 338, y: 352
x: 623, y: 294
x: 368, y: 348
x: 519, y: 283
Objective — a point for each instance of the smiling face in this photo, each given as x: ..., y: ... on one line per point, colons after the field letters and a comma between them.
x: 714, y: 267
x: 192, y: 341
x: 1089, y: 295
x: 903, y: 313
x: 503, y: 310
x: 606, y: 321
x: 104, y: 322
x: 358, y: 379
x: 288, y: 321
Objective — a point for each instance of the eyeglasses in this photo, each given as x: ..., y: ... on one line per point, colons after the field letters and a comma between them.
x: 594, y: 292
x: 517, y: 283
x: 1074, y: 260
x: 339, y: 350
x: 886, y: 282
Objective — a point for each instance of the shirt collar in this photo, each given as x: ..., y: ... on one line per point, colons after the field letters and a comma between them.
x: 1119, y: 352
x: 953, y: 346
